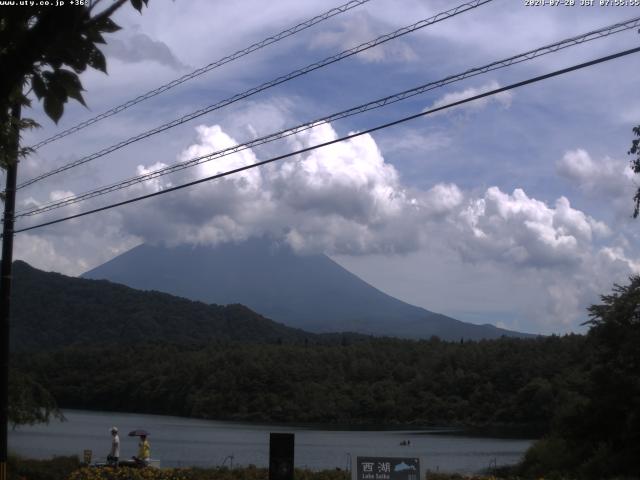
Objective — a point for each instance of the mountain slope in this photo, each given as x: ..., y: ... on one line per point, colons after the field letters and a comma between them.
x: 309, y: 292
x: 50, y: 310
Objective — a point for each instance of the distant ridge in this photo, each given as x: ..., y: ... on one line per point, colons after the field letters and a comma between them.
x: 51, y: 311
x: 312, y: 292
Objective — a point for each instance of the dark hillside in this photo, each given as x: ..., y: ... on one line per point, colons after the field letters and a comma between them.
x: 50, y: 310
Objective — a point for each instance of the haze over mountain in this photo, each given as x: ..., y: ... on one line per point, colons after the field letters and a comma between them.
x: 308, y: 292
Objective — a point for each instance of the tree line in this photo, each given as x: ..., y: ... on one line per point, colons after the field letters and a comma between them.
x: 515, y: 383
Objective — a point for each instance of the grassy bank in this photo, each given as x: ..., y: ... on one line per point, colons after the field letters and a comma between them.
x: 57, y: 468
x: 235, y: 474
x: 70, y: 468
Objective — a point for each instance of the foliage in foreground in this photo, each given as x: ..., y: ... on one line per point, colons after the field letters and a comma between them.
x: 57, y: 468
x: 69, y: 468
x: 29, y: 401
x: 249, y: 473
x: 600, y: 436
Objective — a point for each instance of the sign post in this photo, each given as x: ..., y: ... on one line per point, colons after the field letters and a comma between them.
x: 281, y: 456
x: 386, y: 468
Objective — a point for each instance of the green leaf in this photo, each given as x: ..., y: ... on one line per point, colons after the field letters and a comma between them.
x: 38, y: 85
x: 77, y: 56
x: 106, y: 25
x: 55, y: 87
x: 71, y: 84
x: 28, y: 123
x: 97, y: 60
x: 67, y: 79
x: 78, y: 97
x: 54, y: 107
x: 95, y: 36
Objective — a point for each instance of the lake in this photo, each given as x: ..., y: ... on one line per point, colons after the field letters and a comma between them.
x: 180, y: 441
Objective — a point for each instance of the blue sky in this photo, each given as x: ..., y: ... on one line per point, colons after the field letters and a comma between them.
x: 514, y: 210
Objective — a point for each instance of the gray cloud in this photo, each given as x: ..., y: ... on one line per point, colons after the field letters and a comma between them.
x: 139, y: 47
x: 360, y: 28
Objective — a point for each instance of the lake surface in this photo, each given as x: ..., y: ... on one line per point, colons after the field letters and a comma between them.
x: 180, y: 441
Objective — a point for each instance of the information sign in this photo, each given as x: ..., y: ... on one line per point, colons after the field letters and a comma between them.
x: 386, y: 468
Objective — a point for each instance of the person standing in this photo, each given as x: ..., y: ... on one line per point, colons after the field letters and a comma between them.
x: 144, y: 451
x: 114, y: 453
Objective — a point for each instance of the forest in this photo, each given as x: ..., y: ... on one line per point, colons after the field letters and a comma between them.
x: 515, y: 383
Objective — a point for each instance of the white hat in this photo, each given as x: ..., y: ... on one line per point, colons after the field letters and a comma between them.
x: 114, y: 429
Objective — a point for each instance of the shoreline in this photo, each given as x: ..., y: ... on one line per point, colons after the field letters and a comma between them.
x: 507, y: 432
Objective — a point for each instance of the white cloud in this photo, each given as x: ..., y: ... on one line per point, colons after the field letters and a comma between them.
x: 260, y: 118
x: 606, y: 176
x: 442, y: 199
x: 343, y: 197
x: 555, y: 247
x: 77, y: 247
x: 533, y: 247
x: 524, y: 231
x: 503, y: 98
x: 521, y: 230
x: 616, y: 255
x: 56, y: 195
x: 606, y: 179
x: 346, y: 199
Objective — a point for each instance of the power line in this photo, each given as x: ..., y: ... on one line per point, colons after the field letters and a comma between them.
x: 207, y: 68
x: 296, y: 73
x: 570, y: 42
x: 341, y: 139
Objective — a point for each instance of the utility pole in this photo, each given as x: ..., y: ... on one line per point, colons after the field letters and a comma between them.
x: 5, y: 282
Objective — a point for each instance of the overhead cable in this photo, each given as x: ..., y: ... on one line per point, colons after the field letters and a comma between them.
x: 529, y: 55
x: 341, y: 139
x: 252, y: 91
x: 207, y: 68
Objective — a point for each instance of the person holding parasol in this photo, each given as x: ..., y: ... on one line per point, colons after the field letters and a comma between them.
x: 144, y: 448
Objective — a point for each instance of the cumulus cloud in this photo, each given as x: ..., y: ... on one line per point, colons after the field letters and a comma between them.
x: 342, y: 198
x: 559, y: 248
x: 503, y: 98
x: 524, y: 231
x: 346, y: 199
x: 605, y: 179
